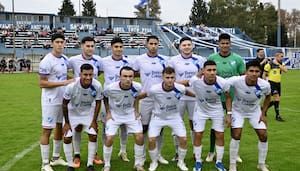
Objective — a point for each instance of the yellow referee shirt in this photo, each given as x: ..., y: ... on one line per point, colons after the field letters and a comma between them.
x: 274, y: 72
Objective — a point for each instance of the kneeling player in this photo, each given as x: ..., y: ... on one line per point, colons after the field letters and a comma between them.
x: 122, y: 109
x: 77, y: 109
x: 248, y: 90
x: 208, y: 90
x: 166, y: 96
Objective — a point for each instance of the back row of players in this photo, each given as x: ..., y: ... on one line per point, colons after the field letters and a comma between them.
x: 144, y: 108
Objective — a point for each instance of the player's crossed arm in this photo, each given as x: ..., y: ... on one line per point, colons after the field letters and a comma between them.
x: 44, y: 83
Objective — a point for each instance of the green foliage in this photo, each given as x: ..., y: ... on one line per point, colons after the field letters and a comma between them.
x: 89, y: 8
x: 67, y: 8
x: 199, y: 12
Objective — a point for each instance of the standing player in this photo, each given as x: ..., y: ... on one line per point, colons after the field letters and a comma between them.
x: 150, y: 66
x: 78, y: 110
x: 208, y: 90
x: 228, y: 64
x: 166, y: 96
x: 186, y: 65
x: 273, y: 70
x: 111, y: 66
x: 75, y: 62
x: 122, y: 109
x: 248, y: 91
x: 260, y: 57
x: 53, y: 78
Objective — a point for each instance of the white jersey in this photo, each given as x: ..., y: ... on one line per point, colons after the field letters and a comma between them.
x: 55, y: 68
x: 111, y: 68
x: 150, y: 69
x: 166, y: 103
x: 81, y: 99
x: 247, y: 98
x: 121, y: 101
x: 185, y: 68
x: 75, y: 63
x: 208, y: 96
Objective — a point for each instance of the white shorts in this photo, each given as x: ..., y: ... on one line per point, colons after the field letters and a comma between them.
x: 51, y: 114
x: 85, y: 121
x: 237, y: 120
x: 189, y: 105
x: 134, y: 126
x: 146, y: 107
x: 156, y: 124
x: 200, y: 120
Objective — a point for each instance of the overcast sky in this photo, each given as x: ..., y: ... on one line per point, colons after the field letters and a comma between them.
x: 172, y: 10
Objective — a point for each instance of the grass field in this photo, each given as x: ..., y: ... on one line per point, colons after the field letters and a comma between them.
x: 20, y: 128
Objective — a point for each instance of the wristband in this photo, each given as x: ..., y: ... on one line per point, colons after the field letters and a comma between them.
x: 229, y: 113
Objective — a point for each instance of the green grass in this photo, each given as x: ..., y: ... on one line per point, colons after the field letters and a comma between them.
x: 20, y: 120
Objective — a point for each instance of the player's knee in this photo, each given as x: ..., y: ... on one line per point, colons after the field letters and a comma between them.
x: 139, y: 138
x: 183, y: 142
x: 263, y: 137
x: 235, y: 135
x: 109, y: 141
x: 219, y: 135
x: 92, y: 138
x: 152, y: 140
x: 67, y: 140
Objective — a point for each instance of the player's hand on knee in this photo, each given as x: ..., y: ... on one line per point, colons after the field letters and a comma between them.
x: 263, y: 119
x: 228, y: 121
x: 94, y: 125
x: 66, y: 128
x: 108, y: 117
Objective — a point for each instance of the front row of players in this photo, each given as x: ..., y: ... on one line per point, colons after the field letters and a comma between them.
x: 121, y: 101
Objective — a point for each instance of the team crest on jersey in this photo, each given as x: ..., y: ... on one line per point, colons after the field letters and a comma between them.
x: 125, y: 96
x: 248, y: 92
x: 147, y: 74
x: 180, y: 74
x: 50, y: 119
x: 118, y: 105
x: 62, y: 64
x: 118, y: 67
x: 208, y: 91
x: 169, y: 98
x: 232, y: 62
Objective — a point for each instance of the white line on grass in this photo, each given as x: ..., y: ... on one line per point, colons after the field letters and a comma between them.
x: 18, y: 156
x: 290, y: 110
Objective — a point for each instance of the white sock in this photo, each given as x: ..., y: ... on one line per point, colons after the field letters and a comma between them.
x: 176, y: 143
x: 76, y: 142
x: 56, y: 148
x: 91, y: 152
x: 234, y: 150
x: 198, y: 152
x: 45, y: 153
x: 262, y: 152
x: 153, y: 155
x: 181, y: 154
x: 138, y: 154
x: 123, y: 138
x: 159, y: 142
x: 107, y: 155
x: 68, y: 149
x: 220, y: 152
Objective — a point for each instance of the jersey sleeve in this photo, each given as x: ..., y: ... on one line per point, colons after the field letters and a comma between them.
x: 267, y: 67
x: 170, y: 62
x: 44, y: 67
x: 192, y: 80
x: 231, y: 81
x: 268, y: 89
x: 106, y: 91
x: 241, y: 66
x: 136, y: 64
x: 99, y: 95
x: 68, y: 91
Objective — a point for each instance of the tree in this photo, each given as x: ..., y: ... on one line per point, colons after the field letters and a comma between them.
x: 199, y: 13
x: 154, y: 10
x: 89, y: 8
x: 67, y: 8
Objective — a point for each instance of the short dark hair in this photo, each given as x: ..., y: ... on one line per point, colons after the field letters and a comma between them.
x: 127, y: 68
x: 259, y: 49
x: 116, y: 40
x: 253, y: 63
x: 57, y: 36
x: 87, y: 39
x: 168, y: 70
x: 209, y: 62
x: 86, y: 67
x: 184, y: 39
x: 152, y: 37
x: 224, y: 36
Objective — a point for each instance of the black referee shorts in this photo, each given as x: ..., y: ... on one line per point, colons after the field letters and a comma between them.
x: 275, y: 88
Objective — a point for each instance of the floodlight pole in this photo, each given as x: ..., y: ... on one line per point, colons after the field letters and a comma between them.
x: 147, y: 9
x: 14, y: 30
x: 79, y: 7
x: 278, y: 26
